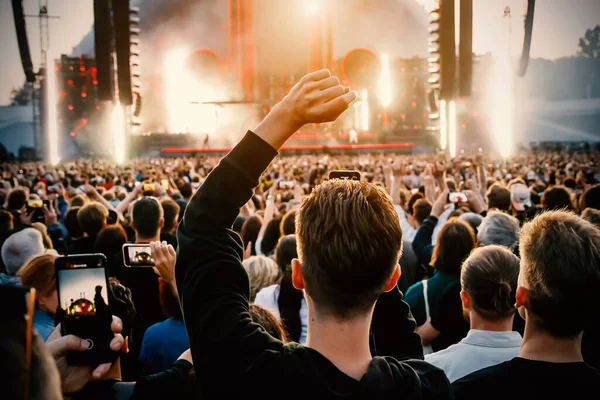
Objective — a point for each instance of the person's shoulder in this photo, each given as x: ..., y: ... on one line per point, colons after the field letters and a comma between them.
x: 266, y: 296
x: 432, y: 380
x: 442, y: 355
x: 414, y: 291
x: 479, y: 383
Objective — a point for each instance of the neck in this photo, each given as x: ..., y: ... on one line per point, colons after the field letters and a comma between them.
x: 343, y: 342
x: 143, y: 240
x: 477, y: 322
x: 539, y: 345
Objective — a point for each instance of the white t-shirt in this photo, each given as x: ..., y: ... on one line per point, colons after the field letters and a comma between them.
x: 268, y: 297
x: 479, y: 350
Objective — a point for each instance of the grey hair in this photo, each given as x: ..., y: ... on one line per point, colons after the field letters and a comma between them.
x: 19, y: 247
x: 499, y: 228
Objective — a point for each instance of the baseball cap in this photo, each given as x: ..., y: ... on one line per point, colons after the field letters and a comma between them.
x: 520, y: 197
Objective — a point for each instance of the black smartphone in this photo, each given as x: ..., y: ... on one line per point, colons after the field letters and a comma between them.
x: 137, y: 255
x: 36, y: 207
x: 347, y: 174
x: 84, y: 306
x: 16, y: 336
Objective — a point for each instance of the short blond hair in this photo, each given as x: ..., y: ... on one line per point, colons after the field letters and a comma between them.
x: 560, y: 262
x: 262, y: 272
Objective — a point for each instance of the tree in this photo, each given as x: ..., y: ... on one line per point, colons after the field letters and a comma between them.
x: 20, y: 96
x: 589, y: 45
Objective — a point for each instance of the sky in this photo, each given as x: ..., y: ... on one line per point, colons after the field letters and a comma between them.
x: 558, y: 24
x: 72, y: 282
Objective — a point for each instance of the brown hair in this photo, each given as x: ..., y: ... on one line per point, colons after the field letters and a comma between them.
x: 560, y: 261
x: 170, y: 213
x: 489, y: 275
x: 92, y: 218
x: 267, y: 320
x: 421, y: 210
x: 412, y: 200
x: 78, y: 201
x: 498, y: 197
x: 556, y: 198
x: 38, y: 273
x: 349, y: 242
x: 250, y: 231
x: 455, y: 242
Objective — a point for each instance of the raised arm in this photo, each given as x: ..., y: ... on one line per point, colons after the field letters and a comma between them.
x: 212, y: 283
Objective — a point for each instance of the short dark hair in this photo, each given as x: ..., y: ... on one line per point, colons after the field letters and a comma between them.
x: 78, y: 201
x: 288, y: 223
x: 186, y: 190
x: 290, y: 298
x: 591, y: 198
x: 92, y: 218
x: 171, y: 212
x: 489, y: 275
x: 557, y: 198
x: 271, y: 237
x: 72, y: 223
x: 412, y: 200
x: 498, y: 197
x: 455, y: 242
x: 146, y: 215
x: 421, y: 210
x: 6, y: 224
x: 16, y: 199
x: 349, y: 243
x: 560, y: 262
x: 110, y: 240
x: 570, y: 183
x: 250, y: 231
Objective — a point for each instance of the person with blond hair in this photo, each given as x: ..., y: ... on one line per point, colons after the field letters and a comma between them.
x: 39, y: 273
x: 262, y: 272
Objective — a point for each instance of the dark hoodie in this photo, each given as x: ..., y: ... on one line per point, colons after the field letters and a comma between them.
x: 234, y: 356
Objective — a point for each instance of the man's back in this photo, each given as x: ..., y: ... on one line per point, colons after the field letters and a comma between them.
x: 528, y: 379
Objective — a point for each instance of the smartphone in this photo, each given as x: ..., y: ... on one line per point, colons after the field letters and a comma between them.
x: 347, y: 174
x: 287, y: 184
x: 84, y: 306
x: 165, y: 184
x: 137, y: 255
x: 457, y: 197
x: 36, y: 207
x: 148, y: 189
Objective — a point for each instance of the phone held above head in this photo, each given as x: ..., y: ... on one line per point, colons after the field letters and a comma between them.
x: 138, y: 255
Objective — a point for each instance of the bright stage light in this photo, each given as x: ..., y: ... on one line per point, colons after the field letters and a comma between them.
x: 312, y: 7
x: 51, y: 122
x: 177, y: 81
x: 443, y: 125
x: 385, y: 84
x: 118, y: 132
x: 452, y: 128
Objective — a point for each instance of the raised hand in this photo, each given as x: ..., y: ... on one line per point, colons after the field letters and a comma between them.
x: 318, y: 97
x: 50, y: 214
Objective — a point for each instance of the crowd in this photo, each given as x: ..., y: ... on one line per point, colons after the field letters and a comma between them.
x: 430, y: 277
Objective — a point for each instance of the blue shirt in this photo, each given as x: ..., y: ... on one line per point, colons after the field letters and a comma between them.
x: 162, y: 345
x: 43, y: 324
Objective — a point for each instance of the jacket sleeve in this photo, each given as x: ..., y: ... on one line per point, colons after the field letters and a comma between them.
x: 212, y: 283
x: 422, y: 241
x: 393, y: 328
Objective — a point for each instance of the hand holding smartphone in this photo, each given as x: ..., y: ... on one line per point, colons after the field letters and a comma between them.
x: 84, y: 306
x: 457, y: 197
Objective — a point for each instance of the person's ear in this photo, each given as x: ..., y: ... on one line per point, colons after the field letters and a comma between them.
x: 394, y: 279
x: 297, y: 279
x: 522, y: 296
x: 161, y: 223
x: 466, y: 300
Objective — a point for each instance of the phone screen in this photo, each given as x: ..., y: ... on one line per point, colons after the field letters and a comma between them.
x: 82, y: 291
x: 35, y: 203
x: 135, y: 255
x: 84, y: 305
